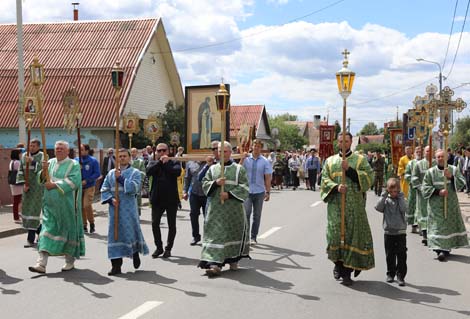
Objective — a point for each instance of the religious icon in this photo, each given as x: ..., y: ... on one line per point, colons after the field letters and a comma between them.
x: 30, y: 108
x: 130, y: 124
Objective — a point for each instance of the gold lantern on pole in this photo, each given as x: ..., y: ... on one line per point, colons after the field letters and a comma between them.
x: 222, y: 99
x: 345, y: 80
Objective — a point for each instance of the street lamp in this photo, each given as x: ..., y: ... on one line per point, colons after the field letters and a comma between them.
x: 345, y: 80
x: 440, y: 70
x: 117, y: 77
x: 222, y: 100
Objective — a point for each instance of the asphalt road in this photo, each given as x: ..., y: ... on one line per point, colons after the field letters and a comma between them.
x: 288, y: 277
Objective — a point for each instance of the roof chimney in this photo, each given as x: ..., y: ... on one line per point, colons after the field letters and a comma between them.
x: 75, y: 10
x: 316, y: 121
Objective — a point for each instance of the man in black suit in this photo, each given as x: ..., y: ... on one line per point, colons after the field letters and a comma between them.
x: 163, y: 197
x: 108, y: 163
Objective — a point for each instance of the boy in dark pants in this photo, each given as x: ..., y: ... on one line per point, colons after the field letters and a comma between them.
x: 393, y: 206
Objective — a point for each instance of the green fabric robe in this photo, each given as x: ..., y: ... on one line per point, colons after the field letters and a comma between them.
x: 32, y: 199
x: 411, y: 212
x: 62, y: 227
x: 226, y: 237
x: 444, y: 233
x: 358, y: 251
x: 417, y: 176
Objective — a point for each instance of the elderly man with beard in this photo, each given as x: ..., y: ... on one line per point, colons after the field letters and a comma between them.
x: 446, y: 230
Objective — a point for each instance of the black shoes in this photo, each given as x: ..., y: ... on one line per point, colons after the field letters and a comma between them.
x: 441, y: 256
x: 195, y: 241
x: 336, y: 273
x: 157, y: 252
x: 414, y: 229
x: 401, y: 282
x: 390, y: 278
x: 167, y: 254
x: 92, y: 228
x: 136, y: 260
x: 347, y: 281
x: 85, y: 229
x: 114, y: 271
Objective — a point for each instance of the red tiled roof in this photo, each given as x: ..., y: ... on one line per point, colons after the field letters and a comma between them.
x: 73, y: 53
x: 244, y: 114
x: 364, y: 139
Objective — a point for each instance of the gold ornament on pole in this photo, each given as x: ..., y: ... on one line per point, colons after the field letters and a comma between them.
x: 153, y: 127
x: 29, y: 113
x: 72, y: 116
x: 130, y: 125
x: 222, y: 99
x: 345, y: 80
x: 445, y: 105
x: 37, y: 79
x: 117, y: 77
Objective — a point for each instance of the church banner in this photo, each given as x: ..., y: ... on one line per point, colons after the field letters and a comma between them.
x: 327, y: 136
x: 396, y: 142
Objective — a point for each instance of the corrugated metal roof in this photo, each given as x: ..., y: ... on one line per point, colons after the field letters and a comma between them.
x: 241, y: 114
x: 79, y: 53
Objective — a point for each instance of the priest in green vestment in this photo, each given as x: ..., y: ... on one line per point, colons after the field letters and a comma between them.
x: 32, y: 192
x: 417, y: 176
x: 444, y: 232
x: 62, y: 227
x: 411, y: 212
x: 357, y: 251
x: 225, y: 239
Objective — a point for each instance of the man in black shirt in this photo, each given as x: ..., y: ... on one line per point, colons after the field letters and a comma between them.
x: 163, y: 197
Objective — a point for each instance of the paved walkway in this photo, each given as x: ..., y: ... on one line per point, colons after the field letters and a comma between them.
x: 9, y: 228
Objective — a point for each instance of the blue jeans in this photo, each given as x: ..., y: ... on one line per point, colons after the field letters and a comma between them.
x: 254, y: 203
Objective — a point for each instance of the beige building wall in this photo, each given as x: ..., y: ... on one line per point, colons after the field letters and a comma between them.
x: 152, y: 88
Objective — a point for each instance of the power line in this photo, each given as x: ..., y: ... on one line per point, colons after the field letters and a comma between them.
x: 391, y: 94
x: 257, y: 33
x: 460, y: 39
x: 450, y: 34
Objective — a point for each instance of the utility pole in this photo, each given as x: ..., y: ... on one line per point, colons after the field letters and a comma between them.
x: 19, y: 40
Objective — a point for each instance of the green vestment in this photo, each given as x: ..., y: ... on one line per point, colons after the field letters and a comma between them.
x: 417, y: 176
x: 226, y: 237
x: 411, y: 212
x: 357, y: 252
x: 62, y: 227
x: 444, y: 233
x: 32, y: 199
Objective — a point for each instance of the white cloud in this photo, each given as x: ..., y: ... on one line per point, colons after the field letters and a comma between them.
x: 289, y: 68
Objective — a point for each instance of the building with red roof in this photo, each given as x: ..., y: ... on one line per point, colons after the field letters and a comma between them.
x: 82, y: 54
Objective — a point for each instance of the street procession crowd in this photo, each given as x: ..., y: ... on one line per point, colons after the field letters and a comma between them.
x: 56, y: 202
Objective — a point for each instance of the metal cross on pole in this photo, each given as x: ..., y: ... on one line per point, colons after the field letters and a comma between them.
x: 446, y: 106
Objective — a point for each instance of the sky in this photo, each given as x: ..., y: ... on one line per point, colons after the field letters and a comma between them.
x: 285, y: 53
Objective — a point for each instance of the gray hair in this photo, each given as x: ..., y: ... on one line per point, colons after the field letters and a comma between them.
x: 63, y: 143
x: 226, y: 144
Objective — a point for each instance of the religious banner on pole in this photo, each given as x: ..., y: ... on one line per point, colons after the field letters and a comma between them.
x: 327, y: 136
x: 153, y: 127
x: 396, y: 142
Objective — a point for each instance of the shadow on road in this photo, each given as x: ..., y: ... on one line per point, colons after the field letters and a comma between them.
x: 252, y: 277
x: 8, y: 280
x: 382, y: 289
x: 184, y: 261
x: 279, y: 253
x: 151, y: 277
x: 80, y: 277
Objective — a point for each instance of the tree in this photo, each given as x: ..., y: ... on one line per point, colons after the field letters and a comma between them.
x: 288, y: 133
x: 337, y: 129
x: 372, y: 147
x: 461, y: 135
x: 369, y: 129
x: 287, y: 117
x: 173, y: 120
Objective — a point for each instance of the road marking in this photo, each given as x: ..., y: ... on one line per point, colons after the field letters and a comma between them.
x: 141, y: 310
x: 269, y: 232
x: 316, y: 204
